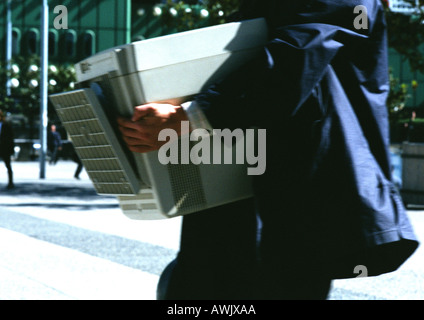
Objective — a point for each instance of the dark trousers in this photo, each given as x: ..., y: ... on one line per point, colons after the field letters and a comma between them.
x: 285, y: 279
x: 7, y: 162
x: 217, y: 255
x: 54, y: 153
x: 220, y: 258
x: 78, y: 170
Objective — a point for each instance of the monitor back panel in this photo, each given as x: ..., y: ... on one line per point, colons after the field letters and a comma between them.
x: 169, y: 68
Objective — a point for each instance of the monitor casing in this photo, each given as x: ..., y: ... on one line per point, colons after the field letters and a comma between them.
x: 169, y: 69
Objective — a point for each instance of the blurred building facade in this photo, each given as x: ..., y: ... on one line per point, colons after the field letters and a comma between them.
x: 95, y: 25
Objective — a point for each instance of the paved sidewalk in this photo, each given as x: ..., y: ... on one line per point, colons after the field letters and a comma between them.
x: 29, y: 171
x: 38, y: 270
x: 61, y: 192
x: 31, y: 268
x: 34, y: 268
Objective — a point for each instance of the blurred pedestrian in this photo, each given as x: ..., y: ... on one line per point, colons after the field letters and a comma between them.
x: 410, y: 126
x: 7, y: 146
x: 54, y: 142
x: 77, y: 160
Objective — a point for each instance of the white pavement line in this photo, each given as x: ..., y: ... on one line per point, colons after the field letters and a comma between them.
x: 164, y: 233
x: 37, y: 270
x: 30, y: 171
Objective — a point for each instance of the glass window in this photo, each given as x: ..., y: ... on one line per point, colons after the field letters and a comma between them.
x: 53, y: 36
x: 70, y: 43
x: 33, y: 42
x: 16, y: 41
x: 89, y: 43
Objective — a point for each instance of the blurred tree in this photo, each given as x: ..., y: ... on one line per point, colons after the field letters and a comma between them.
x: 406, y: 34
x: 24, y: 77
x: 187, y: 15
x: 397, y: 98
x: 406, y: 31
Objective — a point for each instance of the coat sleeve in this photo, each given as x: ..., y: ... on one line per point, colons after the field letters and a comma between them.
x: 284, y: 74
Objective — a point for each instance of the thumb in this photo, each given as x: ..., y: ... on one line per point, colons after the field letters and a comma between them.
x: 141, y: 111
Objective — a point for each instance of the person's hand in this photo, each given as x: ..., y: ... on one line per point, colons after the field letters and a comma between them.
x: 141, y: 132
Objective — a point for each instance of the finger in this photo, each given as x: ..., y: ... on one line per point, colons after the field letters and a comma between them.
x: 133, y: 133
x: 141, y: 148
x: 143, y: 125
x: 141, y: 112
x: 139, y: 126
x: 125, y: 123
x: 134, y: 142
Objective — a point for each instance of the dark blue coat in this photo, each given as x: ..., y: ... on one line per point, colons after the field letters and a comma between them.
x: 319, y: 88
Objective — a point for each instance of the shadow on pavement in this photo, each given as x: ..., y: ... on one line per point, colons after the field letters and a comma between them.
x: 74, y: 206
x: 57, y: 195
x: 52, y: 190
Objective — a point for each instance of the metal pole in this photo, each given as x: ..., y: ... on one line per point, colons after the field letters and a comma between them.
x: 8, y: 44
x: 43, y: 87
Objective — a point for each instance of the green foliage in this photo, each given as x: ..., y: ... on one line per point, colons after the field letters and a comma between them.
x: 406, y: 32
x: 406, y: 36
x: 183, y: 16
x: 25, y: 90
x: 397, y: 98
x: 5, y: 101
x: 416, y: 120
